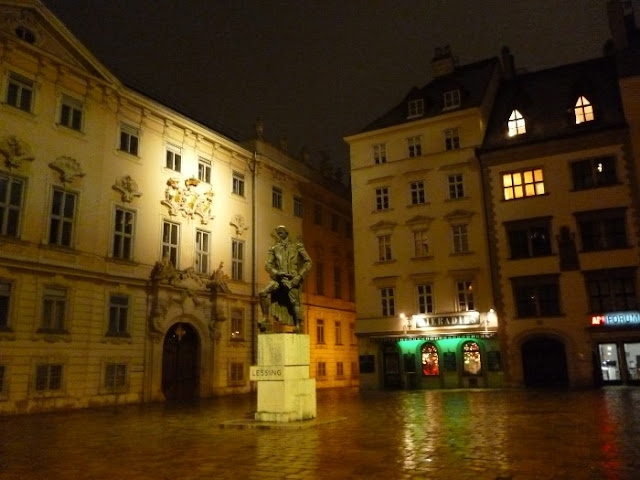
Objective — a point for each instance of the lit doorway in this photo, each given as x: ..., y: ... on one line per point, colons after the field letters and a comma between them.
x: 181, y: 363
x: 544, y: 363
x: 609, y: 364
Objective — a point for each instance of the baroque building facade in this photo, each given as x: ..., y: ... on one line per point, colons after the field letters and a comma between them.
x: 132, y: 237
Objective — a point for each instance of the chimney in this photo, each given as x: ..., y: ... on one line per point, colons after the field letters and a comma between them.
x: 443, y: 62
x: 508, y: 63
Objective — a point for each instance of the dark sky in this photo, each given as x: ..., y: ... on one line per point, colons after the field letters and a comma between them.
x: 316, y: 71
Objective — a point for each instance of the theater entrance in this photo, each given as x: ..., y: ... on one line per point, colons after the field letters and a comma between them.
x: 181, y: 363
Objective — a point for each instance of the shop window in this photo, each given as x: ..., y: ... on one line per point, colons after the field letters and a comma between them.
x: 611, y: 290
x: 536, y: 296
x: 430, y: 361
x: 609, y: 365
x: 471, y: 360
x: 632, y: 354
x: 529, y: 238
x: 594, y: 172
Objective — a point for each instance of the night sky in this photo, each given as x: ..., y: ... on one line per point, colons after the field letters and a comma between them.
x: 316, y: 71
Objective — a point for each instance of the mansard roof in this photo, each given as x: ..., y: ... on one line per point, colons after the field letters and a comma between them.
x: 471, y: 80
x: 546, y: 99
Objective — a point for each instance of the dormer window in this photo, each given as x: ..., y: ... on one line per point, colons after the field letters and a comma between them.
x: 583, y: 110
x: 451, y: 99
x: 516, y: 124
x: 416, y: 108
x: 25, y: 34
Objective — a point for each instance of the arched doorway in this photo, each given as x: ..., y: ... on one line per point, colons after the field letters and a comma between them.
x: 391, y: 366
x: 181, y: 362
x: 544, y: 363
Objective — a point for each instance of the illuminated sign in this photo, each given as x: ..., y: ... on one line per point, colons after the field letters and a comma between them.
x: 461, y: 319
x: 616, y: 319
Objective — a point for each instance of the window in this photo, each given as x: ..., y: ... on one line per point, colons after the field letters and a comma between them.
x: 464, y: 289
x: 583, y: 110
x: 276, y: 198
x: 170, y: 242
x: 456, y: 186
x: 317, y: 214
x: 417, y: 192
x: 529, y: 238
x: 430, y: 361
x: 352, y: 288
x: 173, y: 159
x: 202, y: 251
x: 416, y: 108
x: 298, y: 207
x: 338, y: 333
x: 71, y: 113
x: 115, y: 376
x: 123, y: 234
x: 594, y: 172
x: 516, y: 124
x: 204, y: 170
x: 5, y: 296
x: 62, y: 218
x: 387, y: 301
x: 118, y: 315
x: 460, y: 238
x: 20, y: 92
x: 340, y: 369
x: 320, y: 331
x: 320, y: 278
x: 11, y: 193
x: 337, y: 282
x: 451, y: 139
x: 384, y: 248
x: 611, y: 290
x: 237, y: 259
x: 420, y: 244
x: 382, y: 198
x: 25, y: 34
x: 471, y: 361
x: 236, y: 372
x: 602, y: 229
x: 526, y: 183
x: 237, y: 184
x: 451, y: 99
x: 129, y: 139
x: 237, y: 324
x: 322, y: 370
x: 380, y: 153
x: 536, y: 296
x: 54, y: 303
x: 425, y: 298
x: 414, y: 146
x: 48, y: 377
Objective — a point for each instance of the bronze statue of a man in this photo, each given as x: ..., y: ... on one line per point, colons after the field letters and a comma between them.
x: 288, y: 263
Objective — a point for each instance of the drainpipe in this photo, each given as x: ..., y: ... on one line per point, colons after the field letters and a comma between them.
x: 254, y: 346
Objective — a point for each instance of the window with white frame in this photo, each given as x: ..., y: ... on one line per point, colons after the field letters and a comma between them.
x: 118, y: 315
x: 48, y: 378
x: 115, y: 376
x: 276, y: 198
x: 380, y: 153
x: 382, y: 198
x: 451, y: 139
x: 583, y: 110
x: 516, y: 124
x: 203, y: 242
x: 522, y: 184
x: 20, y: 92
x: 237, y: 259
x: 460, y: 235
x: 451, y: 99
x: 54, y: 307
x: 71, y: 110
x: 415, y: 108
x: 298, y: 207
x: 237, y: 324
x: 464, y: 290
x: 129, y: 139
x: 414, y: 146
x: 420, y: 244
x: 320, y: 331
x: 418, y: 196
x: 425, y: 298
x: 237, y: 184
x: 456, y: 186
x: 11, y: 198
x: 170, y: 242
x: 5, y: 297
x: 388, y: 301
x: 62, y: 219
x: 123, y: 233
x: 204, y: 170
x: 384, y: 248
x: 174, y: 159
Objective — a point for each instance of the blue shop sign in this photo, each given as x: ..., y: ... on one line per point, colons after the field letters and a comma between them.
x: 616, y: 319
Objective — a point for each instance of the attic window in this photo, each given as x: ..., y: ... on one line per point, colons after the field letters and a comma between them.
x: 25, y: 34
x: 583, y: 110
x: 516, y: 124
x: 416, y: 108
x: 451, y: 99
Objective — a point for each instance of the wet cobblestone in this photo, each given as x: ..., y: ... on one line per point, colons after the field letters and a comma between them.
x: 461, y: 434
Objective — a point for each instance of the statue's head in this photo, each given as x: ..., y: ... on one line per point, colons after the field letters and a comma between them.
x: 282, y: 232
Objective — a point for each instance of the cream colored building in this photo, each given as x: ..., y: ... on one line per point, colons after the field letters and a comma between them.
x: 132, y: 238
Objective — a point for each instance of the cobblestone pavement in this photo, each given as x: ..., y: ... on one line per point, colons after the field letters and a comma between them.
x: 459, y: 434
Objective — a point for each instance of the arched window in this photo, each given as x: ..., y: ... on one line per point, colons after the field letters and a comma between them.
x: 583, y: 110
x: 516, y: 124
x: 430, y: 363
x: 471, y: 362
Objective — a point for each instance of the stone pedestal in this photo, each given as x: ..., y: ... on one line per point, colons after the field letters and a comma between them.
x: 285, y: 391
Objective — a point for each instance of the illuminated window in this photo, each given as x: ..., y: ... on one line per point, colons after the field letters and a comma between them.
x: 602, y: 229
x: 464, y: 289
x: 237, y: 184
x: 11, y: 193
x: 420, y: 244
x: 451, y: 99
x: 62, y: 219
x: 20, y: 92
x: 460, y: 237
x: 516, y: 124
x: 583, y: 110
x: 170, y: 242
x: 384, y: 248
x: 48, y: 377
x: 71, y: 113
x: 204, y: 170
x: 202, y: 251
x: 527, y: 183
x: 237, y: 259
x: 115, y: 376
x: 536, y: 296
x: 173, y: 159
x: 382, y: 198
x: 338, y: 333
x: 529, y: 238
x: 387, y: 301
x: 123, y: 232
x: 414, y: 146
x: 456, y: 186
x: 416, y: 108
x: 276, y: 198
x: 594, y: 172
x: 451, y: 139
x: 430, y: 362
x: 129, y: 139
x: 320, y: 331
x: 611, y: 290
x: 118, y: 315
x: 380, y: 153
x: 425, y: 298
x: 5, y: 296
x: 418, y: 196
x: 236, y: 324
x: 298, y: 207
x: 471, y: 361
